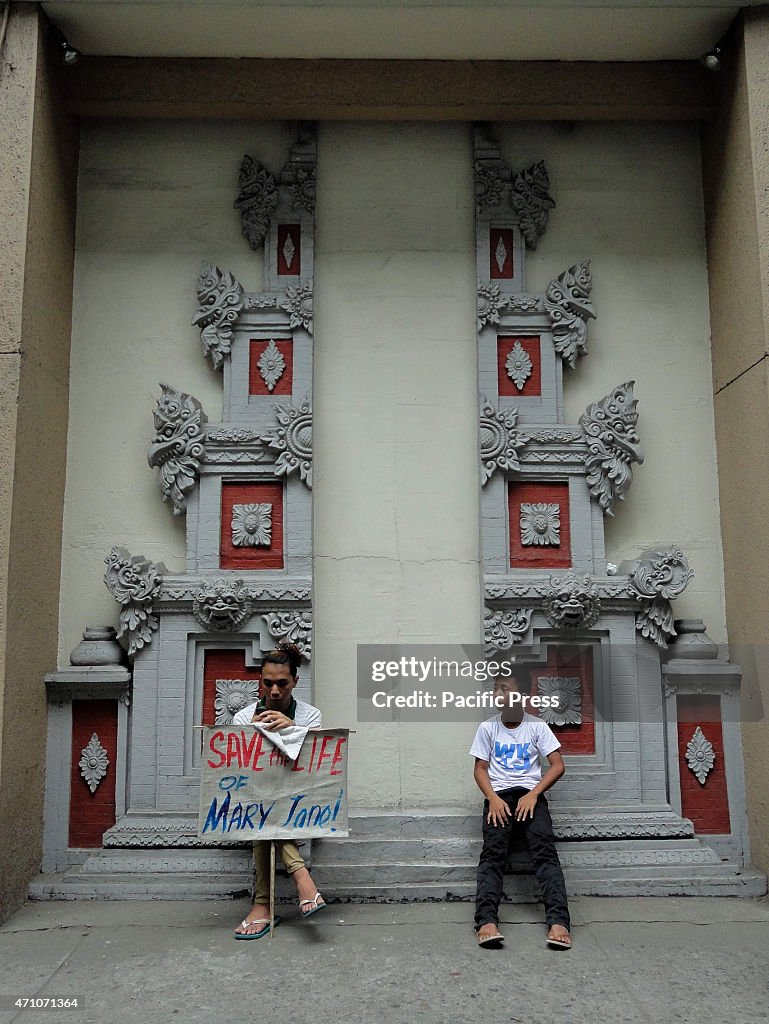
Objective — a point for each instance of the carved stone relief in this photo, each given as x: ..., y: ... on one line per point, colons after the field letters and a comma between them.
x: 93, y: 762
x: 294, y: 627
x: 540, y: 523
x: 252, y: 525
x: 178, y: 447
x: 232, y: 695
x: 613, y: 444
x: 222, y: 605
x: 500, y: 442
x: 518, y: 365
x: 291, y: 439
x: 503, y: 629
x: 568, y: 305
x: 700, y: 755
x: 221, y: 301
x: 658, y: 578
x: 256, y: 200
x: 572, y: 601
x: 298, y: 304
x: 568, y: 690
x: 271, y: 365
x: 134, y: 582
x: 531, y: 202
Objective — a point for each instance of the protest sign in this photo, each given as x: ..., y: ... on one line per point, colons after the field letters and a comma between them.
x: 250, y: 790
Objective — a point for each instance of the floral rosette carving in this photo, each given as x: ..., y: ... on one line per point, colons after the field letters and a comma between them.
x: 518, y: 365
x: 252, y: 525
x: 658, y: 578
x: 293, y: 627
x: 291, y: 439
x: 568, y: 306
x: 134, y: 582
x: 503, y: 629
x: 700, y: 755
x: 540, y: 523
x: 609, y: 427
x: 222, y: 605
x: 256, y: 200
x: 488, y: 186
x: 298, y: 305
x: 232, y: 695
x: 271, y: 365
x: 221, y: 302
x: 302, y: 190
x: 568, y: 690
x: 178, y: 447
x: 572, y: 601
x: 531, y: 202
x: 500, y: 442
x: 93, y: 762
x: 489, y: 304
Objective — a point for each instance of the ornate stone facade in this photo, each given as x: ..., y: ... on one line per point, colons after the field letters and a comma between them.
x: 178, y: 447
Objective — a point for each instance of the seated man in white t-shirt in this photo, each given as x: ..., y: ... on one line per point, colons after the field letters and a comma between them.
x: 507, y: 750
x: 277, y: 709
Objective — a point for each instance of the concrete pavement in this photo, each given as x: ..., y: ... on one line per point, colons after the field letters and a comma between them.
x: 661, y: 960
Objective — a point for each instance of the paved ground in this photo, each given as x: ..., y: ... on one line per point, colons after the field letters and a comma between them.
x: 670, y: 961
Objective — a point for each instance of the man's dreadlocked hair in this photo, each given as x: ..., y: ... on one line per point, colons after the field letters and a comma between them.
x: 285, y: 654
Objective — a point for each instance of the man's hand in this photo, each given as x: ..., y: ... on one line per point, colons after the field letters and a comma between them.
x: 273, y: 720
x: 499, y: 812
x: 525, y: 807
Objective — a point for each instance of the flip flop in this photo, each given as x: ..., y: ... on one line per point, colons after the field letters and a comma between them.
x: 313, y: 903
x: 265, y: 921
x: 490, y: 941
x: 558, y: 943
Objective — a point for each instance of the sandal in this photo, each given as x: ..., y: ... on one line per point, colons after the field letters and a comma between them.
x: 559, y: 943
x: 491, y: 941
x: 264, y: 930
x: 312, y: 903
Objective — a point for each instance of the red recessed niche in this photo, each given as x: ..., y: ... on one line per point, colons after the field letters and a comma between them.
x: 538, y: 556
x: 220, y: 664
x: 533, y: 383
x: 501, y: 254
x: 235, y: 492
x: 256, y: 383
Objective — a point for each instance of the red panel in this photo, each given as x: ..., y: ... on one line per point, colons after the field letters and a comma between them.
x: 289, y: 237
x: 262, y: 557
x: 707, y: 805
x: 222, y: 665
x: 256, y: 385
x: 505, y: 235
x: 530, y: 556
x: 572, y: 661
x: 91, y: 814
x: 533, y: 385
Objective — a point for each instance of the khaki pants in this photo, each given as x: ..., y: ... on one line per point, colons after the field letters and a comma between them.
x: 292, y: 861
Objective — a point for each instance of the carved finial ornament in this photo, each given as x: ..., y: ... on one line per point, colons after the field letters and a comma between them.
x: 568, y: 305
x: 256, y: 200
x: 613, y: 444
x: 178, y: 447
x: 133, y: 581
x: 221, y: 302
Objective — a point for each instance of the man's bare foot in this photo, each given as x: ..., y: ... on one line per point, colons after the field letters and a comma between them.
x: 490, y: 935
x: 259, y: 912
x: 559, y: 937
x: 306, y: 890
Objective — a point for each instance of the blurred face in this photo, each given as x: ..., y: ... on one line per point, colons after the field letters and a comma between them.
x: 276, y: 686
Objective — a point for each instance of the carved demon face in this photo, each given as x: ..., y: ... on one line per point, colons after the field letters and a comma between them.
x: 572, y: 602
x: 222, y: 605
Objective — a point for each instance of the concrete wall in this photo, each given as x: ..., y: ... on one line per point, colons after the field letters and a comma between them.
x: 736, y: 175
x: 38, y: 159
x: 396, y: 506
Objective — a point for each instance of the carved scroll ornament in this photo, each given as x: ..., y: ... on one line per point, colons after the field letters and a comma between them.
x: 291, y: 439
x: 294, y: 627
x: 178, y: 447
x: 658, y: 578
x: 500, y: 441
x: 531, y: 202
x: 256, y: 200
x: 503, y: 629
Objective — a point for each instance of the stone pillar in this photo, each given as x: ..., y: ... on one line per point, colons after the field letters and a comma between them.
x: 736, y: 184
x: 38, y: 169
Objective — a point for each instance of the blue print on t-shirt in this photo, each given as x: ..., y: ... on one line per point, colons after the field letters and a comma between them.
x: 515, y: 752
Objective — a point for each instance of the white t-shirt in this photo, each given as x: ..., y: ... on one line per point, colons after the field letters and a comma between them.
x: 513, y: 754
x: 306, y: 715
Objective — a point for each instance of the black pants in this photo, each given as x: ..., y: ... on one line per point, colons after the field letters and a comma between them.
x: 541, y: 842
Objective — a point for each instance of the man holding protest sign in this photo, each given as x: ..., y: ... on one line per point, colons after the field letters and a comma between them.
x: 277, y: 710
